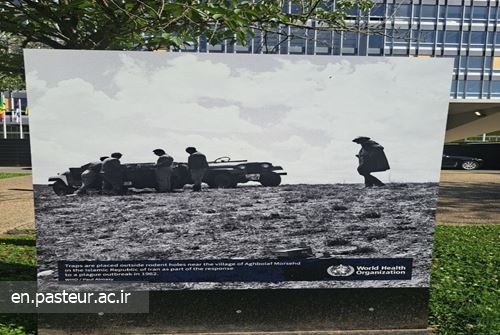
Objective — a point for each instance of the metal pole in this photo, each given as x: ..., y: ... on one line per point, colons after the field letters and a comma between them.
x: 21, y: 133
x: 484, y: 137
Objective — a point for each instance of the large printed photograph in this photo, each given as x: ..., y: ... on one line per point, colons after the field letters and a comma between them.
x: 189, y: 156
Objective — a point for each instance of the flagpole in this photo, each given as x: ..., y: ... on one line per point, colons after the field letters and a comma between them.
x: 20, y: 119
x: 4, y: 119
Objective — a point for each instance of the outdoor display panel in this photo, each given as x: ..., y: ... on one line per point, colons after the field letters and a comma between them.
x: 321, y: 172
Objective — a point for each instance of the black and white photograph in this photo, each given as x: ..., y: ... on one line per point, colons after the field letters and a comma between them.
x: 189, y: 156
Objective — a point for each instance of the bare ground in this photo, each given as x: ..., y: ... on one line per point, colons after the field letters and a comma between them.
x: 16, y: 204
x: 469, y: 197
x: 248, y: 222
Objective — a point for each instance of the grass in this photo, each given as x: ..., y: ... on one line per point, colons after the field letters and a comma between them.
x: 17, y: 263
x: 464, y: 282
x: 4, y: 175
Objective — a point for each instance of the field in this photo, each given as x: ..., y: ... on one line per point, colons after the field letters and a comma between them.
x: 250, y: 222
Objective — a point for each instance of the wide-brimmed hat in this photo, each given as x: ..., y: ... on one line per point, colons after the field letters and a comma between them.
x: 361, y: 139
x: 116, y: 155
x: 190, y: 149
x: 159, y: 151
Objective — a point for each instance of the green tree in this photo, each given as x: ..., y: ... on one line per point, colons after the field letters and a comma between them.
x: 156, y: 24
x: 10, y: 58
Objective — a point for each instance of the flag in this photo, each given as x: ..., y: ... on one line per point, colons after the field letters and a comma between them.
x: 8, y: 104
x: 2, y: 107
x: 18, y: 115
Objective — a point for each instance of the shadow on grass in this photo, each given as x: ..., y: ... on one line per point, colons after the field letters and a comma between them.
x: 18, y: 241
x: 17, y: 272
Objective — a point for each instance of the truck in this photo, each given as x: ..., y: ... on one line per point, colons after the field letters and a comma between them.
x: 222, y: 173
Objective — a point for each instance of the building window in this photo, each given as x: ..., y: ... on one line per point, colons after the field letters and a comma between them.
x: 378, y: 10
x: 353, y: 12
x: 495, y: 89
x: 475, y: 63
x: 425, y: 37
x: 463, y: 62
x: 453, y: 88
x: 487, y: 62
x: 477, y: 37
x: 454, y: 12
x: 399, y: 10
x: 350, y: 40
x: 496, y: 63
x: 324, y: 39
x: 465, y: 37
x: 473, y: 88
x: 416, y: 10
x: 401, y: 36
x: 440, y: 36
x: 375, y: 41
x: 452, y: 37
x: 442, y: 12
x: 467, y: 13
x: 480, y: 13
x: 428, y: 11
x: 490, y: 38
x: 295, y: 8
x: 493, y: 13
x: 486, y: 88
x: 461, y: 89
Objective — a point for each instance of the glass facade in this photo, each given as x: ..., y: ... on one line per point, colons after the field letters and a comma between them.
x: 466, y: 30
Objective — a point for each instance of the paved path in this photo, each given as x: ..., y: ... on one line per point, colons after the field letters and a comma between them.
x: 469, y: 197
x: 16, y: 204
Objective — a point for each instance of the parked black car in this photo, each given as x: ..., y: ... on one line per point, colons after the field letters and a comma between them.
x: 222, y: 173
x: 461, y: 162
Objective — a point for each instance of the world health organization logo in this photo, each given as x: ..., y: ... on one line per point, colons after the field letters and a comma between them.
x: 340, y: 270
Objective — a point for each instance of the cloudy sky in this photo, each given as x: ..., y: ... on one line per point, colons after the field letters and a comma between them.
x: 300, y: 112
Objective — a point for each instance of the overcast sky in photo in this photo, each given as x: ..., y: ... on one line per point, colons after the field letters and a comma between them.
x: 300, y: 112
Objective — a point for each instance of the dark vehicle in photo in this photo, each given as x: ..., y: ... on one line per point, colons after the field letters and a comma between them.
x: 461, y: 162
x: 222, y: 173
x: 225, y: 173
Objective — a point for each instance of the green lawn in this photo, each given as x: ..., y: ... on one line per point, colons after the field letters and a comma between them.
x: 4, y: 175
x: 464, y: 283
x: 17, y: 262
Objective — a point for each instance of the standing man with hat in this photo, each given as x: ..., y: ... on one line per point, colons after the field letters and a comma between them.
x: 163, y: 170
x: 198, y: 165
x: 112, y: 174
x: 371, y: 159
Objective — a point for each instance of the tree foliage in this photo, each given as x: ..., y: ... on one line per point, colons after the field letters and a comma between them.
x: 160, y: 24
